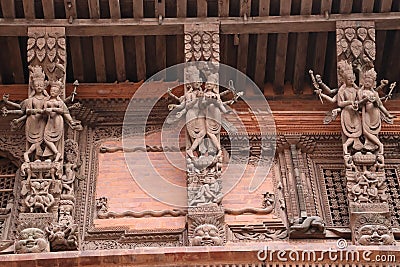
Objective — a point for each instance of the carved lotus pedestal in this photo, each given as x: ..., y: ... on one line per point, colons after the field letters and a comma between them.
x: 206, y: 225
x: 370, y: 224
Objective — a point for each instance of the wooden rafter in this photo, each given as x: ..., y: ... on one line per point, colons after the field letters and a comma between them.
x: 161, y: 41
x: 115, y: 12
x: 386, y: 6
x: 181, y: 9
x: 75, y: 42
x: 201, y: 8
x: 321, y: 40
x: 243, y: 48
x: 98, y: 46
x: 301, y: 53
x: 261, y: 52
x: 16, y: 65
x: 29, y: 9
x: 48, y: 9
x: 140, y: 45
x: 281, y: 44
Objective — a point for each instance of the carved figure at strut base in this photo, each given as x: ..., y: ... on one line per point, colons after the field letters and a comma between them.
x: 31, y: 240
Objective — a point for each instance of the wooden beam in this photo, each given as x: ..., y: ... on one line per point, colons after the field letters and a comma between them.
x: 321, y: 40
x: 386, y: 6
x: 140, y: 45
x: 174, y: 26
x: 48, y: 9
x: 261, y: 52
x: 29, y: 9
x: 301, y: 51
x: 115, y: 13
x: 201, y: 8
x: 281, y: 51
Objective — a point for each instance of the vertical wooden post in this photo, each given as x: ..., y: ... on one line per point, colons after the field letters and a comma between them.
x: 203, y: 125
x: 362, y: 149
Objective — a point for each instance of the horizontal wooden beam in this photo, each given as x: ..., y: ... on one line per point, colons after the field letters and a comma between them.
x: 174, y: 26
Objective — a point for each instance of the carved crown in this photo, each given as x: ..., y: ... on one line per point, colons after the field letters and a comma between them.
x: 58, y: 84
x: 344, y: 68
x: 36, y: 73
x: 370, y: 74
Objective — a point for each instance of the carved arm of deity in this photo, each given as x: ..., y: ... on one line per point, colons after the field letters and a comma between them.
x: 8, y: 102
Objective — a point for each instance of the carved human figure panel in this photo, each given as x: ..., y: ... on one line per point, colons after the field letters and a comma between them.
x: 32, y: 240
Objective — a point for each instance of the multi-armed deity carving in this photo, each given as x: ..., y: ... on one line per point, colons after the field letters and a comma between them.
x: 202, y: 108
x: 50, y: 162
x: 361, y: 111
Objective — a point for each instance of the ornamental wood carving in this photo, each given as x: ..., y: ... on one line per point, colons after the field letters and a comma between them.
x: 51, y: 161
x: 361, y: 111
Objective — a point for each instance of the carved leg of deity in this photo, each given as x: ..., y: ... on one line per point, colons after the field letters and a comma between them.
x: 372, y: 142
x: 195, y: 144
x: 32, y: 148
x: 54, y: 149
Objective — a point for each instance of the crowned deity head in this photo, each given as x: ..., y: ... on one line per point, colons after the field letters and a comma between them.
x: 346, y: 73
x: 370, y: 79
x: 37, y: 80
x: 55, y: 88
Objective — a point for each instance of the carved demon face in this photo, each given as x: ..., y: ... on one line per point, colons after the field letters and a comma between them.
x: 206, y: 235
x: 373, y: 234
x: 32, y: 240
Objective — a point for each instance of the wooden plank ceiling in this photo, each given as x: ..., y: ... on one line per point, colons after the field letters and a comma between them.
x: 280, y: 60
